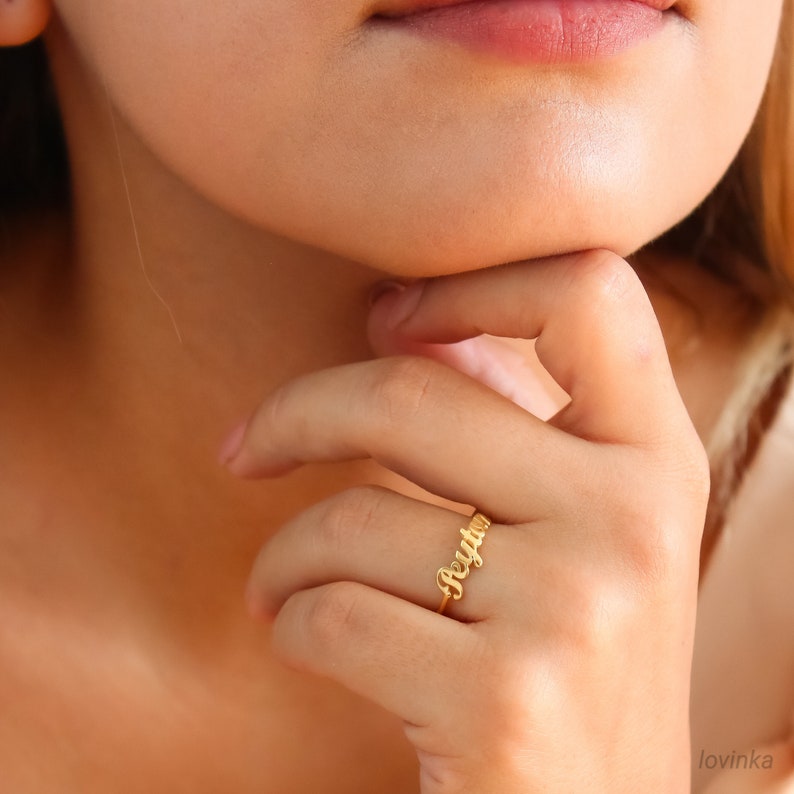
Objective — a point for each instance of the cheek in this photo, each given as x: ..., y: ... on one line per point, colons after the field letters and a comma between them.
x: 209, y: 87
x: 736, y: 43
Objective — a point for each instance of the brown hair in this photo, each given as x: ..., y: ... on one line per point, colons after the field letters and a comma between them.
x: 33, y: 164
x: 744, y: 233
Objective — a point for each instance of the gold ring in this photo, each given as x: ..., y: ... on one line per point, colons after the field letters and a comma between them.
x: 450, y: 579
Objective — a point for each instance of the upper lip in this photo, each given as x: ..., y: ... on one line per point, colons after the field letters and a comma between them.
x: 400, y: 8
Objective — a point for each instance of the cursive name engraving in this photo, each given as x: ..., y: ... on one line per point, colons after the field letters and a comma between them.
x: 450, y: 578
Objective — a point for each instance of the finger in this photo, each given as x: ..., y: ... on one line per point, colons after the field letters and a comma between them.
x: 493, y: 362
x: 436, y: 427
x: 386, y: 541
x: 400, y: 656
x: 597, y: 335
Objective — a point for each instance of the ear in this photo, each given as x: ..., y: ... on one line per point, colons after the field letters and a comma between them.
x: 22, y: 20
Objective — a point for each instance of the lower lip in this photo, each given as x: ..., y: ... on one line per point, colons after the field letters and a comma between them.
x: 538, y: 31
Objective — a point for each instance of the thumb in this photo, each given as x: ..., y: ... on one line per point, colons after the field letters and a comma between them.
x: 509, y: 367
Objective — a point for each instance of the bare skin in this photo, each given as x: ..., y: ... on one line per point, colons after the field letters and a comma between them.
x: 126, y: 548
x: 148, y: 573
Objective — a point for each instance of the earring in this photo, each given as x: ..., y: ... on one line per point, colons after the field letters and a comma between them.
x: 22, y: 21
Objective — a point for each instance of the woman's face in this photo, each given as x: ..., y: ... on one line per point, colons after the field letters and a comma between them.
x: 417, y: 154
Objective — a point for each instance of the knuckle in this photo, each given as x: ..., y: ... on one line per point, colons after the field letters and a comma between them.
x: 608, y: 292
x: 664, y: 528
x: 595, y: 605
x: 348, y: 515
x: 519, y: 689
x: 403, y: 388
x: 655, y: 551
x: 606, y: 278
x: 653, y: 515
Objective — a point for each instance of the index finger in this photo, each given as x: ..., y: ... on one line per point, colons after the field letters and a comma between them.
x: 596, y: 331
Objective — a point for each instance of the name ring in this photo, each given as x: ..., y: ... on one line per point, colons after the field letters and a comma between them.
x: 450, y: 578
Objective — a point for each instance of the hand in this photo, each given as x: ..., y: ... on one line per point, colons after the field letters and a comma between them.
x: 565, y: 666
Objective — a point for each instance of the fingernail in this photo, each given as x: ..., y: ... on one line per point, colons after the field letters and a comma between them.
x: 381, y: 288
x: 233, y: 444
x: 405, y: 304
x: 404, y: 299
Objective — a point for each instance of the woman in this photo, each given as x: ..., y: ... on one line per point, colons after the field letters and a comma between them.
x: 260, y: 197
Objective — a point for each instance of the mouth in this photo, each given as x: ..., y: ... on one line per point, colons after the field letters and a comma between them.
x: 530, y: 31
x: 393, y: 9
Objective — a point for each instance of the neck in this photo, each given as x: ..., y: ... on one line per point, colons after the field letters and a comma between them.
x: 174, y: 320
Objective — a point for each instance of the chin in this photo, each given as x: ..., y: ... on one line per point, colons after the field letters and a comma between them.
x: 451, y: 226
x: 424, y: 251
